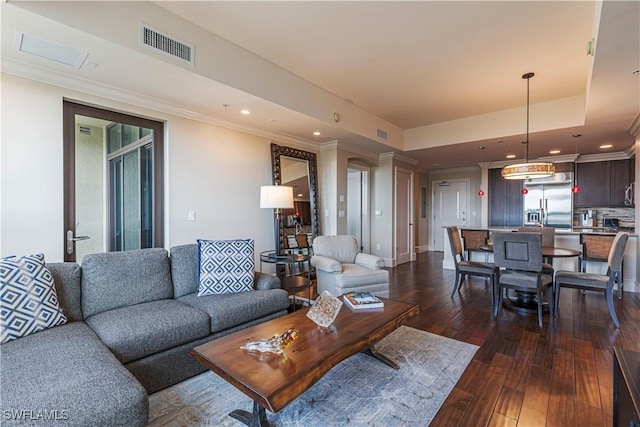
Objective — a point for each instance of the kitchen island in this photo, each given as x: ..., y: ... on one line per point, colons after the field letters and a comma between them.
x: 570, y: 238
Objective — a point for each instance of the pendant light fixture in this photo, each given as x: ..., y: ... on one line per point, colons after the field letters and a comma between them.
x: 575, y: 189
x: 481, y: 191
x: 528, y: 170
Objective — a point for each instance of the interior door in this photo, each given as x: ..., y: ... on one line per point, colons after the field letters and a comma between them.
x: 451, y: 201
x: 404, y: 217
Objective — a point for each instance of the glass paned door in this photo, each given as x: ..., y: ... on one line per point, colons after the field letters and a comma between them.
x: 131, y: 198
x: 113, y: 185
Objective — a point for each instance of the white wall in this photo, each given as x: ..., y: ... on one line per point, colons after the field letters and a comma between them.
x: 382, y: 202
x: 211, y: 170
x: 31, y: 151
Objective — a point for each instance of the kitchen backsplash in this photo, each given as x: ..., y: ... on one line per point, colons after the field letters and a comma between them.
x: 625, y: 216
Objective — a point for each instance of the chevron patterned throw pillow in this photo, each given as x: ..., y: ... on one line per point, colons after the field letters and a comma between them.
x: 226, y: 266
x: 28, y: 298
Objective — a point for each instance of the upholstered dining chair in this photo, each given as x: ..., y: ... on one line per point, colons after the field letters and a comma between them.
x: 596, y: 282
x: 548, y: 239
x: 595, y: 248
x: 468, y: 268
x: 473, y: 239
x: 519, y: 258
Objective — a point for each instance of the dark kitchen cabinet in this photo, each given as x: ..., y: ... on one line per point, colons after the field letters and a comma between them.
x: 619, y: 181
x: 593, y: 180
x: 505, y: 201
x: 602, y: 183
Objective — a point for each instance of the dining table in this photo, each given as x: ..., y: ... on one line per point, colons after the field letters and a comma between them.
x: 525, y: 302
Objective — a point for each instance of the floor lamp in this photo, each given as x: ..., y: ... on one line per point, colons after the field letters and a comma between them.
x: 276, y: 197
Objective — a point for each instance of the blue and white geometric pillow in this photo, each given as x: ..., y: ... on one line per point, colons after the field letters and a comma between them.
x: 28, y: 299
x: 226, y: 266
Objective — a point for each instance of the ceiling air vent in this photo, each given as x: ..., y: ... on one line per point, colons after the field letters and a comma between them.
x: 382, y: 134
x: 166, y: 44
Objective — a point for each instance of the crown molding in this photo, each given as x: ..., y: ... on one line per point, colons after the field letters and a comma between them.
x: 631, y: 151
x: 617, y: 155
x: 89, y: 87
x: 395, y: 156
x: 634, y: 129
x: 329, y: 145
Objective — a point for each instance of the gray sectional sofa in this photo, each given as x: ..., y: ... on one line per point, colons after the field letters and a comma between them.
x: 132, y: 318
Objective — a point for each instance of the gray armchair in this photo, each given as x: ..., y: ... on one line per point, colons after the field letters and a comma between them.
x: 340, y: 268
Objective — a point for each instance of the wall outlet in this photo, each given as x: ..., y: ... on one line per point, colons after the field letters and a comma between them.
x: 341, y: 214
x: 191, y: 216
x: 378, y: 212
x: 342, y: 197
x: 378, y: 246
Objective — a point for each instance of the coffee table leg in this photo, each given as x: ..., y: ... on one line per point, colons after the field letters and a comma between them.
x: 381, y: 357
x: 256, y: 419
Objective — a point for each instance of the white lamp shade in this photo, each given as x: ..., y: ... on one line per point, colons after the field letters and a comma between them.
x: 276, y: 197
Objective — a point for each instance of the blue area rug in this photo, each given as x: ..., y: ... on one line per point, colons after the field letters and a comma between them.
x: 360, y: 391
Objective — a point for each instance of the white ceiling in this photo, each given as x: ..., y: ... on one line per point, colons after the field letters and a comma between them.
x: 415, y: 65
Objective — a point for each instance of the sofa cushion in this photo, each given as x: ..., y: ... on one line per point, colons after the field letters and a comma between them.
x: 28, y: 298
x: 69, y: 373
x: 225, y: 266
x: 139, y: 330
x: 119, y: 279
x: 66, y: 276
x: 184, y: 272
x: 354, y: 275
x: 229, y: 310
x: 184, y: 269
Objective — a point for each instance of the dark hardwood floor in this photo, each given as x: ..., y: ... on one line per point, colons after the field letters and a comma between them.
x: 522, y: 375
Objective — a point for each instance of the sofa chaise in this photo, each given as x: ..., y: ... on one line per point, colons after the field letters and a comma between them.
x: 132, y: 318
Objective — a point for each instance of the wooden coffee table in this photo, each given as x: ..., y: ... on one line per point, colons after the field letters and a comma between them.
x: 273, y: 381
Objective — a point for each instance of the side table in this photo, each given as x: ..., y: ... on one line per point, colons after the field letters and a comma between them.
x: 626, y: 388
x: 291, y: 282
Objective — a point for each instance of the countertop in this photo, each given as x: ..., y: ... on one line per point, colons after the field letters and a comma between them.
x: 578, y: 230
x: 599, y: 230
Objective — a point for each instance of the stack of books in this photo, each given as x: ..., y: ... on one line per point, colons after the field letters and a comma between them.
x: 362, y: 300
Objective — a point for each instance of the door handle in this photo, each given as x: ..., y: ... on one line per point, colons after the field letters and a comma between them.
x: 71, y: 239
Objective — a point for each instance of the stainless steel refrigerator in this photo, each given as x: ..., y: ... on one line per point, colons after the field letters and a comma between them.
x: 549, y: 201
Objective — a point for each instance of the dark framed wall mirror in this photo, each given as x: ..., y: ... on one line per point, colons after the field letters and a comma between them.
x: 297, y: 169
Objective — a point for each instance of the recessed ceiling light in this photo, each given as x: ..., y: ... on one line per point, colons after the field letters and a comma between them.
x: 316, y: 133
x: 554, y: 152
x: 245, y: 112
x: 606, y: 146
x: 300, y: 194
x: 511, y: 156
